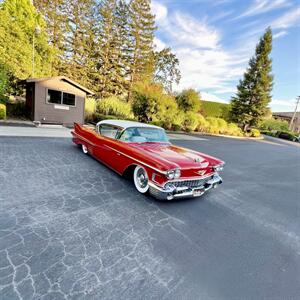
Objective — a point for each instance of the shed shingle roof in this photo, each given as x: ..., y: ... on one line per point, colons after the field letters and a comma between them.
x: 63, y: 78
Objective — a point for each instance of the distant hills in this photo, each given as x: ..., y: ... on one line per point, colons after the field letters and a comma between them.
x: 214, y: 109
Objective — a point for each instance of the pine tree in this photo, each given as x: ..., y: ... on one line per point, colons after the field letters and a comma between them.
x: 56, y: 21
x: 142, y: 23
x: 22, y: 30
x: 114, y: 44
x: 254, y: 91
x: 78, y: 38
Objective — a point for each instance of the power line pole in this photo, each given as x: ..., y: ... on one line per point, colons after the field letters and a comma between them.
x: 294, y: 115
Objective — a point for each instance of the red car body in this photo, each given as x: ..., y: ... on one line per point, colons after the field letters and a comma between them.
x: 198, y: 171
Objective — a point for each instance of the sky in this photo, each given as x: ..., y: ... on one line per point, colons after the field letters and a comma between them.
x: 214, y: 40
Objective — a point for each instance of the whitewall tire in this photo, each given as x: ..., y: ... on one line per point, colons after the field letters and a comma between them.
x: 141, y: 180
x: 84, y: 149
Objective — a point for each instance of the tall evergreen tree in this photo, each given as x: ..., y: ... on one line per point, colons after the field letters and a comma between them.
x: 56, y: 20
x: 24, y: 49
x: 142, y: 28
x: 113, y: 62
x: 79, y: 32
x: 254, y: 90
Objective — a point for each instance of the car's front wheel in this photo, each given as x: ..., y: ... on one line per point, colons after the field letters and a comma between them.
x: 141, y: 180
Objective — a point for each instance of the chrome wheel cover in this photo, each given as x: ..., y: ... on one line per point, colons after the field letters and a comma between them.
x: 141, y: 179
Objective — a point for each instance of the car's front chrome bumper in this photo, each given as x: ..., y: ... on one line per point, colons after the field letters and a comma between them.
x: 171, y: 193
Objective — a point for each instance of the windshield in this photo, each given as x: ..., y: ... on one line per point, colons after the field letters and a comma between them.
x: 143, y: 135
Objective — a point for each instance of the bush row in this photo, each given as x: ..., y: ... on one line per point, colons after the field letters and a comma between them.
x: 2, y: 111
x: 148, y: 103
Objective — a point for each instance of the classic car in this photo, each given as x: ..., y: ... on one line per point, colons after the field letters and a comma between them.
x: 143, y: 153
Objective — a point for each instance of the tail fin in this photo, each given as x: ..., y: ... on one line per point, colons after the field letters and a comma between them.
x: 77, y: 127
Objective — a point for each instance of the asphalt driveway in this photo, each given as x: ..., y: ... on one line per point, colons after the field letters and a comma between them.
x: 72, y: 229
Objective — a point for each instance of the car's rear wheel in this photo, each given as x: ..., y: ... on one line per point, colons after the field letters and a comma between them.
x: 84, y: 149
x: 141, y: 180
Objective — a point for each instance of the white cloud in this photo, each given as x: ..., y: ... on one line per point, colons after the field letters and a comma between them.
x: 211, y: 97
x: 185, y: 30
x: 159, y: 44
x: 280, y: 105
x: 204, y: 63
x: 280, y: 34
x: 160, y: 11
x: 289, y: 19
x: 263, y: 6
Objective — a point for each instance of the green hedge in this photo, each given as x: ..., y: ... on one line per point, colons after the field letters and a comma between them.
x: 96, y: 117
x: 273, y: 124
x: 214, y: 109
x: 114, y: 106
x: 2, y: 111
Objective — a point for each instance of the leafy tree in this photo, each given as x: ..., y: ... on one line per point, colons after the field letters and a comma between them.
x: 151, y: 104
x: 188, y: 100
x: 20, y: 26
x: 249, y: 105
x: 166, y: 68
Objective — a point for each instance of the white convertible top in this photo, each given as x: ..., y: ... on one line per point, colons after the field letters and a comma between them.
x: 126, y: 124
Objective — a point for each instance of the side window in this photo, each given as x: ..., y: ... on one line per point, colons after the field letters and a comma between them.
x: 127, y: 135
x: 108, y: 130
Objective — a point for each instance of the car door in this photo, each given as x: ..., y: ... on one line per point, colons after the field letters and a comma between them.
x: 105, y: 145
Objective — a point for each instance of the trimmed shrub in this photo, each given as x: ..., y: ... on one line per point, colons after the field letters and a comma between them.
x: 178, y: 121
x: 273, y: 124
x: 233, y: 129
x: 114, y: 106
x: 202, y: 124
x: 254, y: 132
x: 216, y: 125
x: 188, y: 100
x: 190, y: 121
x: 2, y: 111
x: 96, y: 117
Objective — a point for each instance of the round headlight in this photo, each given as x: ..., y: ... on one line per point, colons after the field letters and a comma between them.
x: 177, y: 173
x: 171, y: 174
x: 218, y: 168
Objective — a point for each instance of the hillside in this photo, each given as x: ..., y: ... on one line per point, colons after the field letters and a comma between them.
x: 214, y: 109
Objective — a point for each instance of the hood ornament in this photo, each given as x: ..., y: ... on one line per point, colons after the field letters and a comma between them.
x: 197, y: 159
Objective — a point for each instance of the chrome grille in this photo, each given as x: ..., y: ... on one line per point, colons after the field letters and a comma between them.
x: 192, y: 183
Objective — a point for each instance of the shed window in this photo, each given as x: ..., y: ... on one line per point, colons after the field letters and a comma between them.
x: 58, y: 97
x: 68, y: 99
x: 54, y: 96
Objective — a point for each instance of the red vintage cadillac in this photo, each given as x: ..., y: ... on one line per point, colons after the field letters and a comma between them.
x: 144, y: 153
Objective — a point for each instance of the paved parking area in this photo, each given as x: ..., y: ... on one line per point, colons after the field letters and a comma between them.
x: 72, y: 229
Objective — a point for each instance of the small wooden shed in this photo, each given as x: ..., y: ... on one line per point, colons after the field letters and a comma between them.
x: 56, y: 100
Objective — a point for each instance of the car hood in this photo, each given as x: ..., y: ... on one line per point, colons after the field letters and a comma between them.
x: 180, y: 157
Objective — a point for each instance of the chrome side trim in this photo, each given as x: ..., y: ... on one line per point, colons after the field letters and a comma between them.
x: 153, y: 168
x: 82, y: 138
